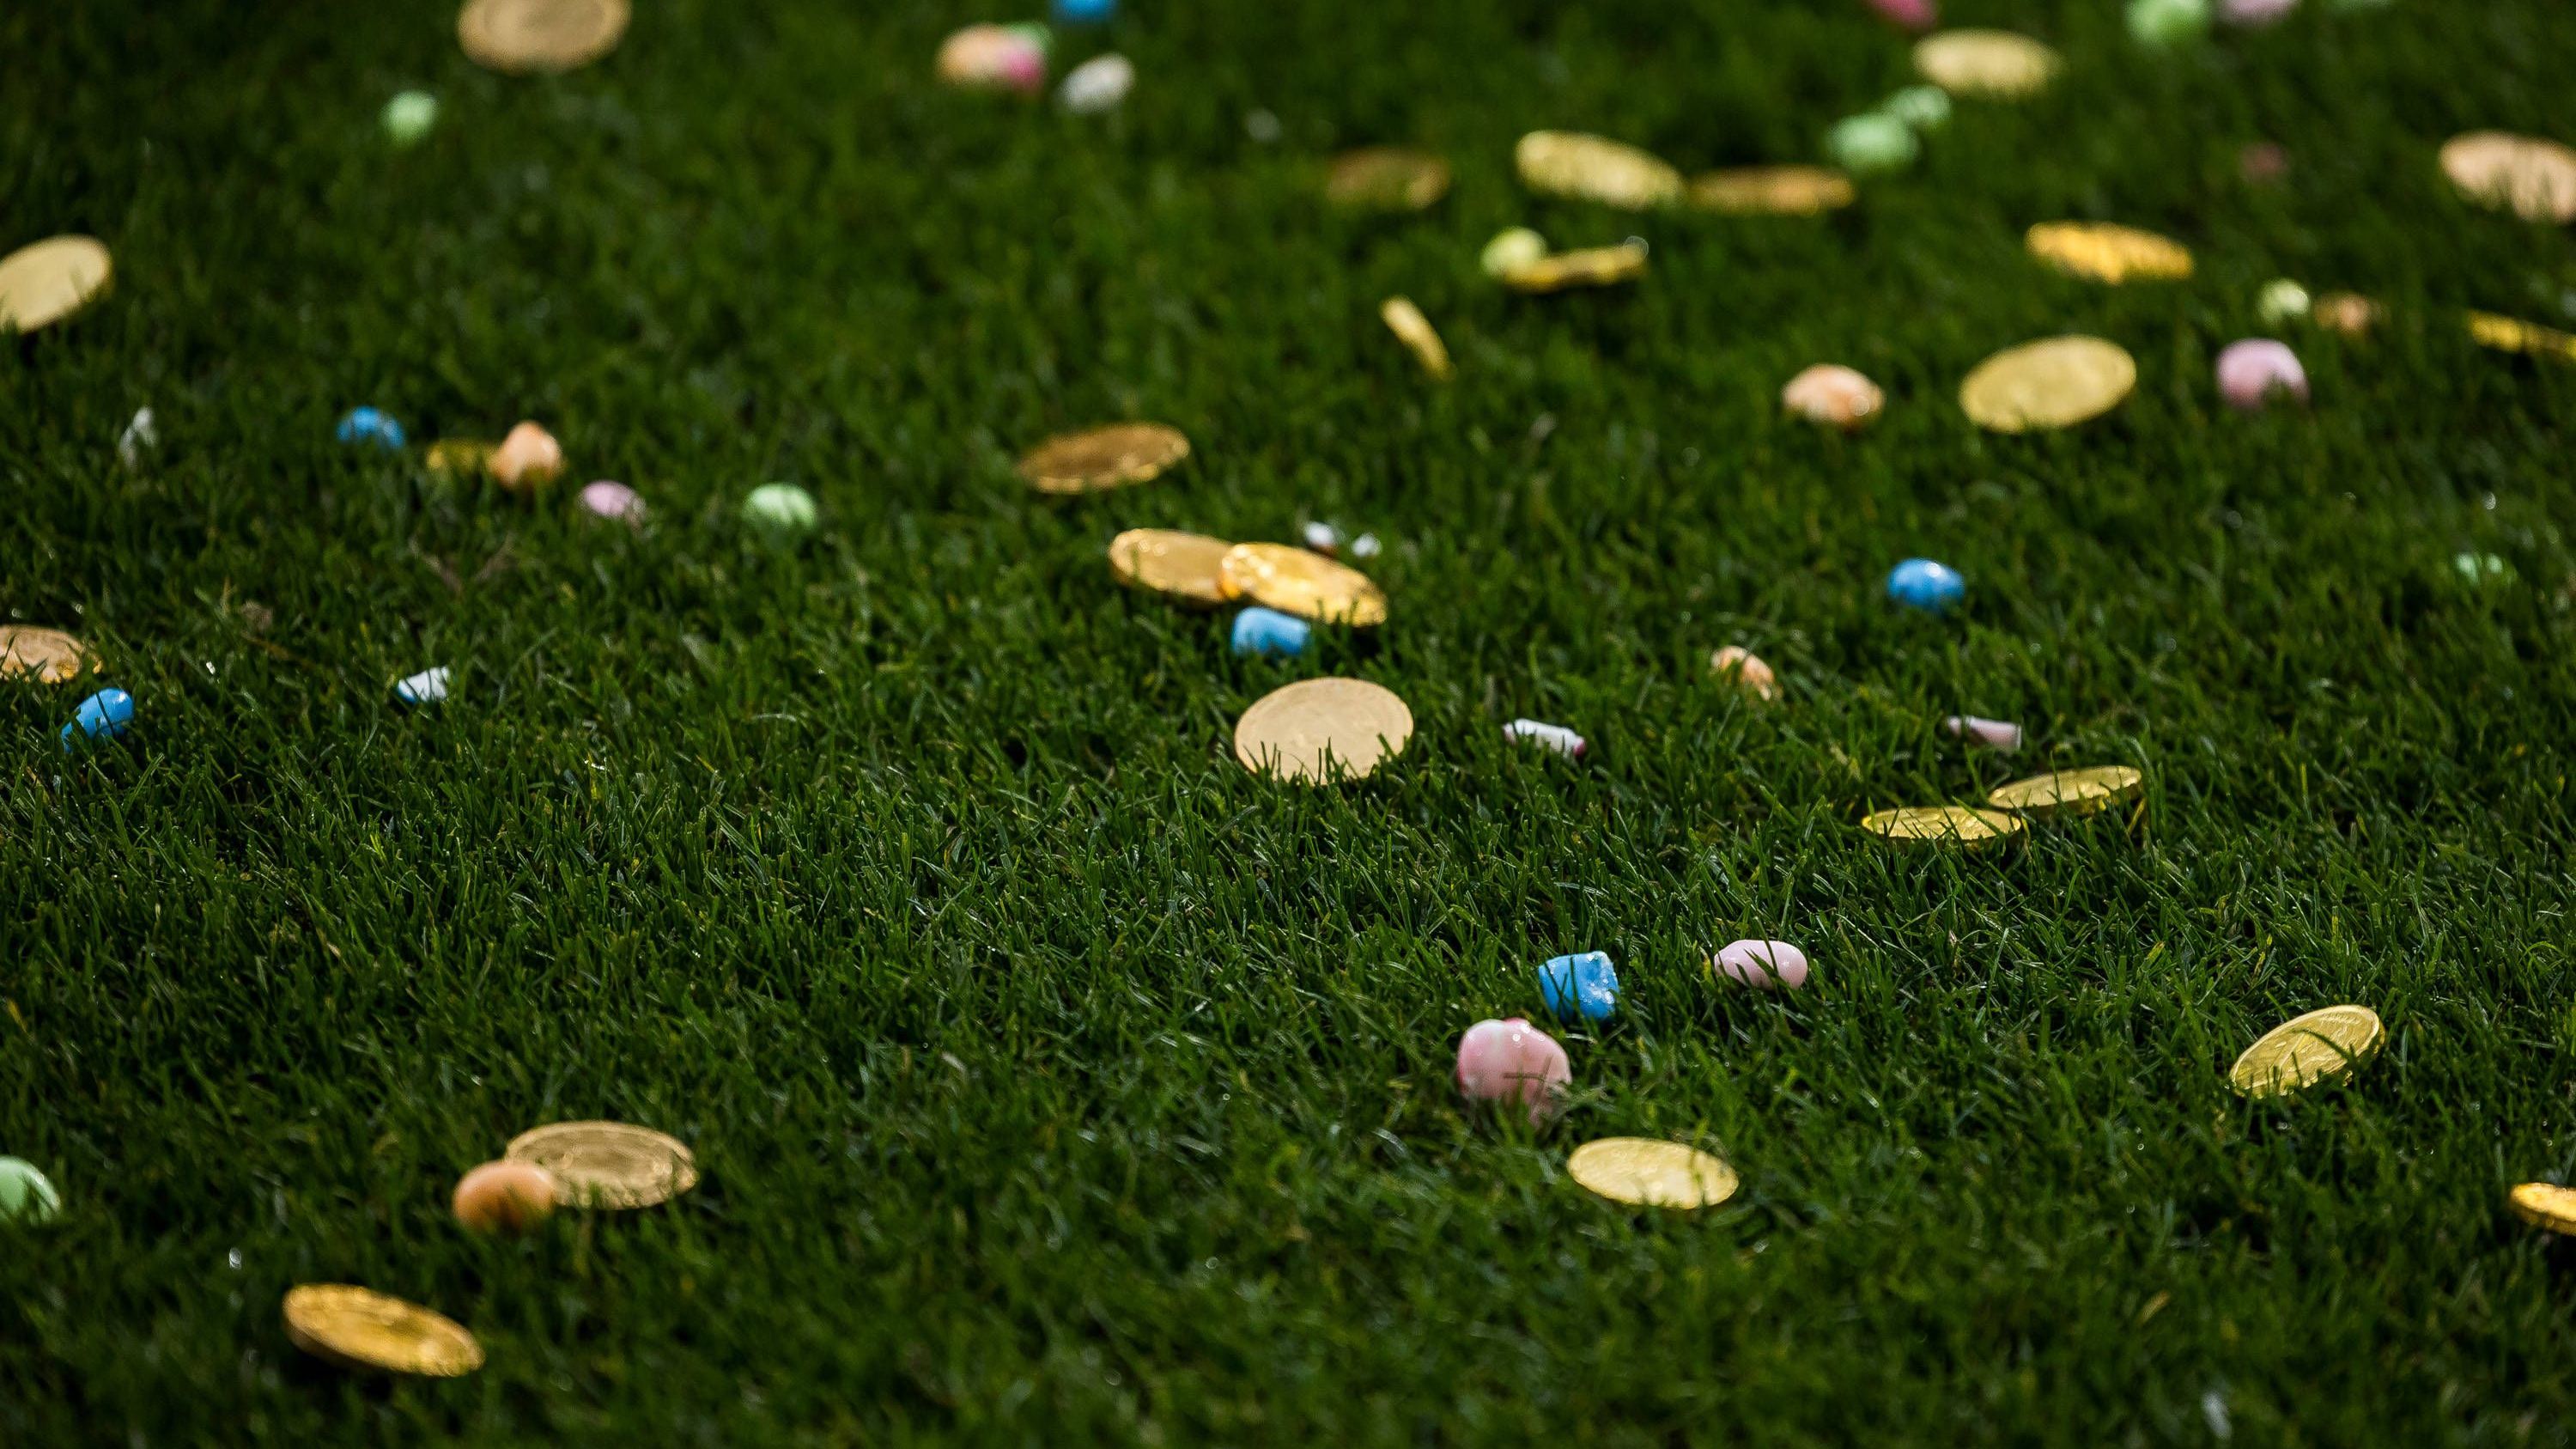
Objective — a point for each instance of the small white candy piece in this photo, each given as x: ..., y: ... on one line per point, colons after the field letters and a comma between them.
x: 1323, y: 538
x: 1994, y: 734
x: 1097, y: 85
x: 2282, y: 300
x: 1762, y: 964
x: 138, y: 436
x: 1364, y: 546
x: 1556, y: 737
x: 427, y: 687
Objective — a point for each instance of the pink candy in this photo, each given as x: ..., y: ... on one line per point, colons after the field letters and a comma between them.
x: 1994, y: 734
x: 1763, y: 964
x: 2249, y: 372
x: 1912, y: 14
x: 613, y: 500
x: 2254, y: 12
x: 995, y: 57
x: 1513, y: 1061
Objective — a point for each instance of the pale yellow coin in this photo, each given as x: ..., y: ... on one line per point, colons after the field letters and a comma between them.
x: 1590, y: 267
x: 1595, y: 168
x: 361, y: 1328
x: 1958, y: 825
x: 2308, y: 1049
x: 49, y: 654
x: 1316, y: 729
x: 1417, y: 334
x: 1773, y: 191
x: 2533, y: 178
x: 1301, y: 582
x: 2506, y: 334
x: 1992, y: 64
x: 609, y: 1164
x: 1651, y: 1173
x: 44, y: 282
x: 1183, y: 565
x: 1392, y: 178
x: 2056, y: 382
x: 1103, y: 458
x: 526, y: 37
x: 2546, y: 1205
x: 2102, y: 251
x: 2069, y: 792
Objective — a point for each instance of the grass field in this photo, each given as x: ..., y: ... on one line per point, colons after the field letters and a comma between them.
x: 1055, y: 1080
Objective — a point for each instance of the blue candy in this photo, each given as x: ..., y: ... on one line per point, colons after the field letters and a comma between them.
x: 1584, y: 984
x: 103, y: 715
x: 1919, y: 583
x: 1084, y: 12
x: 1269, y: 632
x: 368, y: 425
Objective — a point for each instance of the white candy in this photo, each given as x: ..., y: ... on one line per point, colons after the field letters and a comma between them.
x: 137, y: 437
x: 427, y: 687
x: 1994, y: 734
x: 1556, y: 737
x: 1364, y: 546
x: 1097, y: 85
x: 1321, y: 537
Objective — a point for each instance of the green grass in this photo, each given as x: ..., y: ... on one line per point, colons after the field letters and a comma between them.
x: 1055, y: 1081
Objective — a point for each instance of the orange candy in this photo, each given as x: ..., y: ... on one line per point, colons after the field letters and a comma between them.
x: 505, y: 1197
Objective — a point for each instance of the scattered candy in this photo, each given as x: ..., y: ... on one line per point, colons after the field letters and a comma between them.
x: 44, y: 282
x: 780, y: 509
x: 103, y: 715
x: 369, y: 425
x: 1584, y: 984
x: 1872, y: 143
x: 1084, y: 12
x: 1387, y: 178
x: 505, y: 1197
x: 528, y: 458
x: 1323, y: 538
x: 1912, y: 14
x: 1270, y: 634
x: 2281, y: 300
x: 613, y: 500
x: 1925, y: 108
x: 1835, y: 396
x: 1988, y: 64
x: 138, y: 435
x: 408, y: 117
x: 2479, y: 569
x: 1097, y: 85
x: 2263, y: 162
x: 1920, y: 583
x: 1994, y: 734
x: 2166, y: 23
x: 27, y: 1200
x: 1555, y: 737
x: 2254, y: 12
x: 995, y: 57
x: 1365, y: 546
x: 1748, y: 671
x: 1762, y: 964
x: 427, y: 687
x: 1513, y: 1061
x: 1414, y: 330
x: 458, y: 457
x: 1512, y: 249
x: 2251, y: 371
x: 2345, y: 312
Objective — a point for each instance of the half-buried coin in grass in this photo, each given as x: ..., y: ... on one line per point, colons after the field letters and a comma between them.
x: 1992, y: 64
x: 2056, y: 382
x: 2102, y: 251
x: 2069, y: 792
x: 1773, y: 191
x: 2546, y: 1205
x: 1651, y: 1173
x: 361, y: 1328
x: 2306, y: 1050
x: 1590, y: 267
x: 1387, y: 178
x: 539, y: 37
x: 1954, y: 825
x: 608, y: 1164
x: 2509, y: 334
x: 44, y: 282
x: 1167, y: 561
x: 1317, y: 729
x: 1417, y: 334
x: 1100, y: 459
x: 1595, y: 168
x: 49, y: 654
x: 2533, y: 178
x: 1301, y: 582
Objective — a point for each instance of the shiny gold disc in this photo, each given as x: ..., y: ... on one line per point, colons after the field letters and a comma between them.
x: 1958, y: 825
x: 2070, y: 792
x: 2306, y: 1050
x: 1590, y: 267
x: 609, y: 1164
x: 1991, y: 64
x: 1417, y: 334
x: 1773, y: 191
x: 2506, y: 334
x: 2101, y: 251
x: 1183, y: 565
x: 44, y: 282
x: 530, y: 37
x: 1103, y: 458
x: 2533, y: 178
x: 2056, y: 382
x: 1389, y: 178
x: 1651, y: 1173
x: 361, y: 1328
x: 49, y: 654
x: 1301, y: 582
x: 1316, y: 729
x: 1595, y: 168
x: 2546, y: 1205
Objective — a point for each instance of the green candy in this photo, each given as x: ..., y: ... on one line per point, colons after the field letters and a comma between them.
x: 1511, y: 250
x: 26, y: 1198
x: 1875, y: 142
x: 2165, y: 23
x: 1925, y: 108
x: 780, y: 508
x: 409, y: 116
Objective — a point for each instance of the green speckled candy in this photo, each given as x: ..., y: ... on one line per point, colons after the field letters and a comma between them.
x: 2164, y: 23
x: 26, y: 1198
x: 1863, y: 144
x: 409, y: 116
x: 781, y: 508
x: 1925, y: 108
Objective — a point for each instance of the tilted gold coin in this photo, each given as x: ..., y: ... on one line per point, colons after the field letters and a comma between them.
x: 1595, y: 168
x: 43, y: 282
x: 2506, y: 334
x: 2056, y: 382
x: 1301, y: 582
x: 2069, y: 792
x: 2308, y: 1049
x: 49, y: 654
x: 1417, y: 334
x: 2533, y: 178
x: 1314, y: 729
x: 1958, y: 825
x: 1590, y: 267
x: 525, y: 37
x: 2103, y: 251
x: 1993, y: 64
x: 1103, y: 458
x: 1773, y: 191
x: 609, y: 1164
x: 1392, y: 178
x: 1651, y: 1173
x: 459, y: 457
x: 361, y: 1328
x: 1183, y: 565
x: 2546, y: 1205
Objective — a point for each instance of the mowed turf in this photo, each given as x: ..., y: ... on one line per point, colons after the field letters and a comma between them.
x: 1054, y: 1080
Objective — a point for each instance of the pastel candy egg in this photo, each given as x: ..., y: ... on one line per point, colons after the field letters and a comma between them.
x: 408, y: 117
x: 1323, y: 538
x: 1512, y: 249
x: 780, y: 508
x: 1584, y: 984
x: 505, y: 1197
x: 2282, y: 300
x: 1912, y: 14
x: 368, y: 425
x: 1097, y: 85
x: 1925, y: 108
x: 427, y: 687
x: 1555, y: 737
x: 1085, y: 12
x: 1513, y: 1061
x: 103, y: 715
x: 1270, y: 634
x: 1835, y: 396
x: 2254, y: 12
x: 2163, y: 23
x: 993, y: 57
x: 528, y: 458
x: 27, y: 1200
x: 1920, y: 583
x: 1762, y: 964
x: 1874, y: 142
x: 2263, y: 162
x: 1747, y: 670
x: 1994, y: 734
x: 2251, y: 371
x: 613, y: 500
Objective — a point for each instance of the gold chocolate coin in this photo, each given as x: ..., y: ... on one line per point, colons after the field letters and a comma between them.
x: 1316, y: 728
x: 2056, y: 382
x: 2069, y: 792
x: 1417, y: 334
x: 49, y: 654
x: 1991, y: 64
x: 1103, y: 458
x: 2306, y: 1050
x: 1183, y: 565
x: 2546, y: 1205
x: 2532, y: 178
x: 43, y: 282
x: 2506, y: 334
x: 1595, y: 168
x: 2101, y: 251
x: 608, y: 1164
x: 1958, y: 825
x: 361, y: 1328
x: 1301, y: 582
x: 529, y: 37
x: 1389, y: 178
x: 1773, y: 191
x: 1590, y: 267
x: 1651, y: 1173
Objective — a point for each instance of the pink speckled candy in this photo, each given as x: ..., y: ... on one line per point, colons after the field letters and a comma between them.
x: 2249, y: 372
x: 1834, y: 395
x: 1912, y: 14
x: 2254, y: 12
x: 613, y: 500
x: 1763, y: 964
x: 1513, y: 1061
x: 1994, y: 734
x: 993, y: 57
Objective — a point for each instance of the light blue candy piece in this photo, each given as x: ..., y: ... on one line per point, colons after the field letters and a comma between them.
x: 26, y: 1198
x: 1874, y: 142
x: 1084, y: 12
x: 367, y: 425
x: 1584, y: 984
x: 1271, y: 633
x: 103, y: 715
x: 1919, y: 583
x: 427, y: 687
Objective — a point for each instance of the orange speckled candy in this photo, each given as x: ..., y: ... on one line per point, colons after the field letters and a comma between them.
x: 505, y: 1197
x: 1748, y: 671
x: 528, y: 458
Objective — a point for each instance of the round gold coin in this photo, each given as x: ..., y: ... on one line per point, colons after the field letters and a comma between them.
x: 2102, y: 251
x: 2069, y: 792
x: 2546, y: 1205
x: 1103, y: 458
x: 526, y: 37
x: 2533, y: 178
x: 609, y: 1164
x: 1595, y: 168
x: 44, y: 282
x: 1773, y: 191
x: 1183, y: 565
x: 1590, y: 267
x: 1958, y: 825
x: 1390, y: 178
x: 49, y: 654
x: 1316, y: 729
x: 1301, y: 582
x: 2308, y: 1049
x: 1651, y: 1173
x: 2056, y: 382
x: 361, y: 1328
x: 2507, y: 334
x: 1992, y: 64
